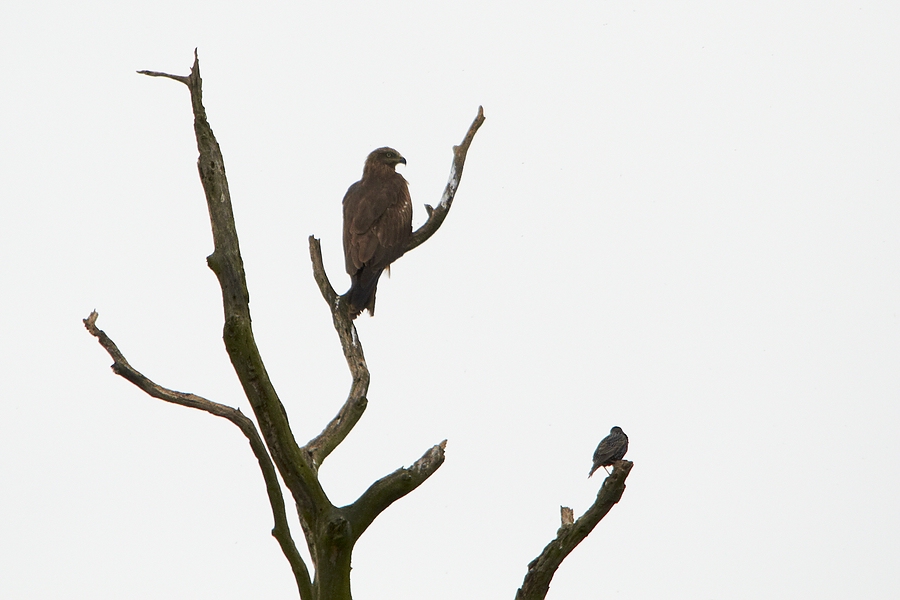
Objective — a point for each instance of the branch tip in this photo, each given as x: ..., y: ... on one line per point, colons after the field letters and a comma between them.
x: 436, y: 216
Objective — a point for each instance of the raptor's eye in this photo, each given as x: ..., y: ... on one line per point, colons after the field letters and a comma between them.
x: 390, y: 155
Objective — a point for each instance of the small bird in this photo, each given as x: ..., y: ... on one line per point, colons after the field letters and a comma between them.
x: 611, y: 448
x: 377, y: 226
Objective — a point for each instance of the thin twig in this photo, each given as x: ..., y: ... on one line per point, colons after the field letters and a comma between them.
x: 181, y: 78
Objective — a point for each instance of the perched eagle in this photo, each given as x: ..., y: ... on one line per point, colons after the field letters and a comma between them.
x: 611, y: 448
x: 377, y: 226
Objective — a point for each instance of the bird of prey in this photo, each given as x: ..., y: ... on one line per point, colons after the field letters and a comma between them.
x: 377, y: 226
x: 611, y: 448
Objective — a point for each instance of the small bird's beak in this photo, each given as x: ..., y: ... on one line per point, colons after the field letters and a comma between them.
x: 403, y: 160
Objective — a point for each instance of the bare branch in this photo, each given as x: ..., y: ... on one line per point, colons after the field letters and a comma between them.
x: 315, y: 255
x: 352, y: 410
x: 227, y: 264
x: 541, y: 569
x: 281, y: 530
x: 185, y: 80
x: 437, y: 215
x: 391, y: 488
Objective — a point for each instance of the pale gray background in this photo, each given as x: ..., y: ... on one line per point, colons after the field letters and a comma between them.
x: 679, y: 217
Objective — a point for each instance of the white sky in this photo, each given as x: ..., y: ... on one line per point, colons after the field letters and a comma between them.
x: 680, y: 218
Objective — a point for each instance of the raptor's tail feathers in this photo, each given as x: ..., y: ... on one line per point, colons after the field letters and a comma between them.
x: 361, y: 295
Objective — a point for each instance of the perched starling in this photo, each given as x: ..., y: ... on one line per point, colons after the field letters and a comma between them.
x: 611, y: 448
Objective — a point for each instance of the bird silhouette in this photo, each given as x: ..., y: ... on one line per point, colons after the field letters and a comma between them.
x: 611, y: 448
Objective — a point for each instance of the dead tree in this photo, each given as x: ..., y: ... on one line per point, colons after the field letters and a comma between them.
x: 330, y: 531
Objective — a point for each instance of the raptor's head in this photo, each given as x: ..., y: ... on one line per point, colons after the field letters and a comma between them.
x: 385, y: 156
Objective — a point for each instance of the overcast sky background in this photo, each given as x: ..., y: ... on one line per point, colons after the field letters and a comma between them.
x: 679, y: 217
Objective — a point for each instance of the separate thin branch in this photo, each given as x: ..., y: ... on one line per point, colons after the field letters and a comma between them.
x: 437, y: 215
x: 281, y: 530
x: 352, y: 410
x: 391, y: 488
x: 542, y: 568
